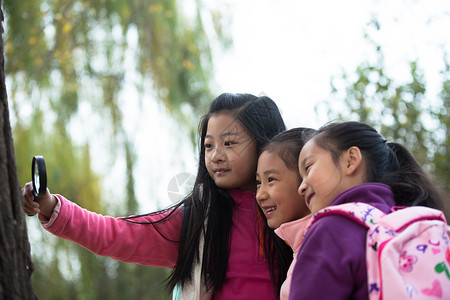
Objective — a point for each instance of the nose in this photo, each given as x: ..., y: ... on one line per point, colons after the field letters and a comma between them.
x: 261, y: 194
x: 217, y: 155
x: 302, y: 188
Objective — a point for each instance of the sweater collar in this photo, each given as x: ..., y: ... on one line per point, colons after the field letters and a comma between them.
x: 293, y: 232
x: 243, y: 199
x: 372, y: 193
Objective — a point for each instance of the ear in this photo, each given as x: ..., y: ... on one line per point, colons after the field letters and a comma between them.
x: 353, y: 159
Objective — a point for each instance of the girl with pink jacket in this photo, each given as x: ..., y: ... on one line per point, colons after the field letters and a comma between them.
x: 215, y: 240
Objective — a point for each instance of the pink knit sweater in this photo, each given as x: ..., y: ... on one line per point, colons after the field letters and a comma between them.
x: 247, y: 275
x: 292, y: 233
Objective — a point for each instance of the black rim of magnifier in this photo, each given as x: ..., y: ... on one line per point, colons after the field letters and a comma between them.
x: 42, y: 175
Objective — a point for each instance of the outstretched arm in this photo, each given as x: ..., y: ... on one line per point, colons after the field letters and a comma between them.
x: 148, y: 244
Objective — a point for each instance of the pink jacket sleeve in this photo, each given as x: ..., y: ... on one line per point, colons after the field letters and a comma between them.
x: 145, y: 244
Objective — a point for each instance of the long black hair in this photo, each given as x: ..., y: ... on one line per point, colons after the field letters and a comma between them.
x: 388, y: 163
x: 262, y: 120
x: 208, y: 209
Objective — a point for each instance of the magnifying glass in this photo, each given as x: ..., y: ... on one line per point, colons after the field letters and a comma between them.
x: 39, y: 176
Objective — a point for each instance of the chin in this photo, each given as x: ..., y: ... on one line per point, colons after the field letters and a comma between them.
x: 272, y: 225
x: 223, y: 185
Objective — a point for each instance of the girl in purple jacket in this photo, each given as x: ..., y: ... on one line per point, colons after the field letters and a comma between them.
x: 351, y: 162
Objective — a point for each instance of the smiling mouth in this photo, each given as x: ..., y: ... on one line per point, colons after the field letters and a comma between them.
x: 270, y: 209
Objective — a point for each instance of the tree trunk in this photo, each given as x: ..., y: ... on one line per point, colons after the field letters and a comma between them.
x: 15, y: 260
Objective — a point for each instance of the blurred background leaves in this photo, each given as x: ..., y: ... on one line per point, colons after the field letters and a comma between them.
x: 70, y: 66
x: 65, y: 54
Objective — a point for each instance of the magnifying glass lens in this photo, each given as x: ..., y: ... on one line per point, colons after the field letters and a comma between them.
x: 39, y: 176
x: 37, y: 182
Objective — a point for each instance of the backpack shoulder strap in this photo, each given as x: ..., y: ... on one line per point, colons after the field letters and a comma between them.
x: 362, y: 213
x: 402, y: 217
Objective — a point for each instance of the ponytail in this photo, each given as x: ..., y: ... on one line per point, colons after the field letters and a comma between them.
x: 410, y: 184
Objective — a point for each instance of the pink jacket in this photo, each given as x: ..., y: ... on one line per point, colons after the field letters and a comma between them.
x: 247, y: 275
x: 117, y: 238
x: 292, y: 233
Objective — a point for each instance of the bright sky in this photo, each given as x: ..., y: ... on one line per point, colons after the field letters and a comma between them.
x: 289, y: 50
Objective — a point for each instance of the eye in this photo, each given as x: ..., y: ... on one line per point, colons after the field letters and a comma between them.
x: 258, y: 183
x: 307, y: 168
x: 270, y: 179
x: 228, y: 143
x: 207, y: 146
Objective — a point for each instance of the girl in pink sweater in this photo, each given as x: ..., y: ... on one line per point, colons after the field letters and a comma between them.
x: 215, y: 240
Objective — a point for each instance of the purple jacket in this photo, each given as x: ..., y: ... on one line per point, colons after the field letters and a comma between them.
x: 331, y: 263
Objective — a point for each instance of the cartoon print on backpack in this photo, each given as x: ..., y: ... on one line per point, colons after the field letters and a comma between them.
x: 407, y: 262
x: 443, y: 266
x: 434, y: 291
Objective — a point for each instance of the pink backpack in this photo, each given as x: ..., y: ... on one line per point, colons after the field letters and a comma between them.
x: 407, y: 255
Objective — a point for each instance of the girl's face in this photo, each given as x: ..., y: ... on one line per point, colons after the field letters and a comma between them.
x: 230, y: 153
x: 276, y: 191
x: 323, y: 180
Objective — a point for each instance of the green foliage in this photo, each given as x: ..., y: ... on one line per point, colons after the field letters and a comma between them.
x: 442, y: 154
x: 65, y: 54
x: 402, y: 112
x: 98, y: 278
x: 87, y: 40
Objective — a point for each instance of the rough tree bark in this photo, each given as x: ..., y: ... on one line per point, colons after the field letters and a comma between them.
x: 15, y: 259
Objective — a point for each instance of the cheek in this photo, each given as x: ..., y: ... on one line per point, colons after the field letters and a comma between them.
x: 252, y: 159
x: 248, y: 152
x: 207, y: 157
x: 253, y: 164
x: 207, y: 162
x: 320, y: 181
x: 327, y: 184
x: 299, y: 207
x: 244, y: 160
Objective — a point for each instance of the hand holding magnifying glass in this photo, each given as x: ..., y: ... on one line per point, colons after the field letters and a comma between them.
x: 36, y: 196
x: 39, y: 176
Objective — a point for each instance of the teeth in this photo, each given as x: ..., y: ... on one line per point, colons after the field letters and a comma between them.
x: 271, y: 209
